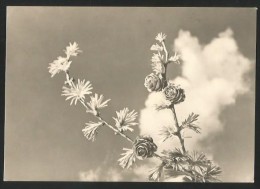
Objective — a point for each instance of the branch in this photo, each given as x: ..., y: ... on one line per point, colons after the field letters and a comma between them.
x: 189, y: 123
x: 69, y: 80
x: 178, y: 133
x: 115, y: 130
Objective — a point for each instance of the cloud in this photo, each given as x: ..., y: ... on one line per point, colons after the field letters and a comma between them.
x: 212, y: 76
x: 114, y: 175
x: 138, y: 173
x: 99, y: 174
x: 91, y: 175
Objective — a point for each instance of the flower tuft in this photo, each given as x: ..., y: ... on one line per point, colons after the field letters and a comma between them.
x: 156, y: 47
x: 90, y: 131
x: 160, y: 37
x: 127, y: 159
x: 125, y: 119
x: 156, y: 173
x: 96, y: 103
x: 61, y: 64
x: 157, y: 58
x: 176, y: 58
x: 72, y: 50
x: 77, y: 92
x: 167, y: 132
x: 158, y: 68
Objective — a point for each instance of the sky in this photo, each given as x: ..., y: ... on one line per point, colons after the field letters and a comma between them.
x: 43, y: 133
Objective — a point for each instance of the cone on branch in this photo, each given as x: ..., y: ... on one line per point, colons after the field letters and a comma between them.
x: 174, y: 94
x: 144, y: 147
x: 153, y: 82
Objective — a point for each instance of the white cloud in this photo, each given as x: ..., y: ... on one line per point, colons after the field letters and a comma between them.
x: 212, y: 76
x: 99, y: 174
x: 113, y: 175
x: 156, y: 100
x: 91, y: 175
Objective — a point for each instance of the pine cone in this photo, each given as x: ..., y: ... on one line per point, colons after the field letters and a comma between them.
x: 174, y: 94
x: 153, y: 82
x: 144, y: 147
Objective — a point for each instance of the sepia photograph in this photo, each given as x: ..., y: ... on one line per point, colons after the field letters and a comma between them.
x: 130, y: 94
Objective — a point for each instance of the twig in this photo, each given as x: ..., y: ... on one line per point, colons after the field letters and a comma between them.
x: 71, y: 83
x: 178, y: 133
x: 165, y: 51
x: 115, y: 130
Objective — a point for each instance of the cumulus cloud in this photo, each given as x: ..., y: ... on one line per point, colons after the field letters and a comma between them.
x: 157, y: 100
x: 91, y: 175
x: 212, y: 76
x: 137, y: 173
x: 99, y: 174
